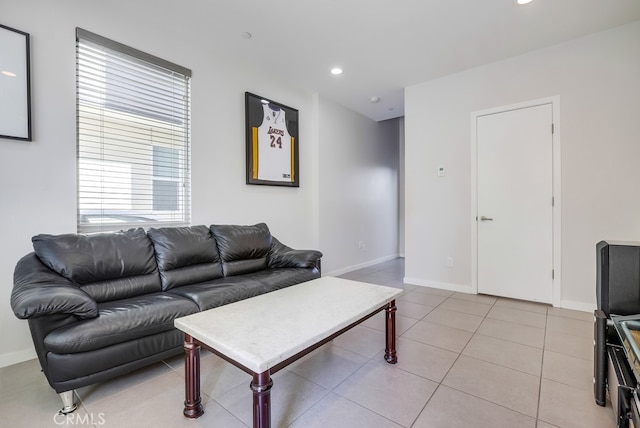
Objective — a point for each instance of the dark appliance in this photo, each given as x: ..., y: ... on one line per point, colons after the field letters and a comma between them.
x: 618, y: 293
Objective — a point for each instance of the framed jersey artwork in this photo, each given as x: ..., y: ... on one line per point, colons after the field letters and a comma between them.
x: 272, y: 142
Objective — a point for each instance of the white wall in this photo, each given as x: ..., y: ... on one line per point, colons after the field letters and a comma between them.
x: 358, y: 188
x: 597, y: 78
x: 38, y: 178
x: 401, y: 188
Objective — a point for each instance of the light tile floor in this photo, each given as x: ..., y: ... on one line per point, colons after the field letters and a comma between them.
x: 464, y: 361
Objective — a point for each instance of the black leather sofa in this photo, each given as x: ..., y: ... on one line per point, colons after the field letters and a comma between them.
x: 101, y: 305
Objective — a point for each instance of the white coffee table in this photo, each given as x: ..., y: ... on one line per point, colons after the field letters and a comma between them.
x: 264, y: 334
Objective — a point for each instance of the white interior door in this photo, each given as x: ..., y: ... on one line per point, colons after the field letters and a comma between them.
x: 514, y: 203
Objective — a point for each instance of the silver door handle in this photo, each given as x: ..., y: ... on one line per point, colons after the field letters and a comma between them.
x: 483, y: 218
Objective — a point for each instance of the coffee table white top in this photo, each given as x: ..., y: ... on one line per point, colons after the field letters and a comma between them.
x: 265, y: 330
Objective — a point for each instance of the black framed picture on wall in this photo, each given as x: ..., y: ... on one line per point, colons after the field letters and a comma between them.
x: 271, y: 142
x: 15, y: 86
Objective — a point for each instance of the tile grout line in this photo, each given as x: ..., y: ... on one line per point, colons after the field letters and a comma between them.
x: 544, y: 346
x: 467, y: 393
x: 545, y: 328
x: 449, y: 370
x: 443, y: 377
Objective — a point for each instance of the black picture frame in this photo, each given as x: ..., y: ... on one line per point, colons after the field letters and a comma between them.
x: 271, y: 142
x: 15, y: 84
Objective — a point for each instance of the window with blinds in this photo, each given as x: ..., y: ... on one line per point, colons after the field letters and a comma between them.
x: 133, y: 137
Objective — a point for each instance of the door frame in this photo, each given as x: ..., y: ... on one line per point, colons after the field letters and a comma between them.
x: 556, y: 210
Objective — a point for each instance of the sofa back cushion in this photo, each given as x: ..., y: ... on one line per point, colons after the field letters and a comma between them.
x: 108, y: 266
x: 243, y: 249
x: 185, y: 255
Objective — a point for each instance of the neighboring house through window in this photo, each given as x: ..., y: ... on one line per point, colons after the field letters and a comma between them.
x: 133, y: 137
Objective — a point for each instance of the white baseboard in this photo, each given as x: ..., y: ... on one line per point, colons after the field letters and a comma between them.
x: 564, y: 304
x: 578, y: 306
x: 361, y: 265
x: 11, y: 358
x: 442, y: 285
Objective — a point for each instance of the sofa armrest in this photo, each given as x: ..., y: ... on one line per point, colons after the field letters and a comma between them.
x: 282, y: 256
x: 38, y: 291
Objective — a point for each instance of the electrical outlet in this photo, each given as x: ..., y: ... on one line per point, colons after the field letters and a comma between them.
x: 449, y: 261
x: 362, y: 246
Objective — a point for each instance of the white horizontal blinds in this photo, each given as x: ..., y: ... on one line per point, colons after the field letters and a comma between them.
x: 133, y: 138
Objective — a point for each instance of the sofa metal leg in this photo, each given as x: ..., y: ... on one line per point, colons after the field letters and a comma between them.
x: 68, y: 403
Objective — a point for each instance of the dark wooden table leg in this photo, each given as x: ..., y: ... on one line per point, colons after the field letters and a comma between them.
x: 390, y: 329
x: 261, y: 387
x: 192, y: 403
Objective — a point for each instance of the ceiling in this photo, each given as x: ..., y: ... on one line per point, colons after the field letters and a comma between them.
x: 382, y: 45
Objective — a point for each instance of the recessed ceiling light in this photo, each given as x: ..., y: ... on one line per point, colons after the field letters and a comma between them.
x: 374, y: 100
x: 521, y: 2
x: 9, y: 73
x: 336, y: 71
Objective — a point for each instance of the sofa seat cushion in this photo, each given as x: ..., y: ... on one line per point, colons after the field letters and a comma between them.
x: 275, y: 279
x: 221, y: 291
x: 120, y: 321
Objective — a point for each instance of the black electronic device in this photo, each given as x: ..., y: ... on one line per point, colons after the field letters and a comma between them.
x: 618, y: 277
x: 617, y: 293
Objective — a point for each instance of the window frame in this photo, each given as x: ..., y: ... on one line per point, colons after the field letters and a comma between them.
x: 111, y: 219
